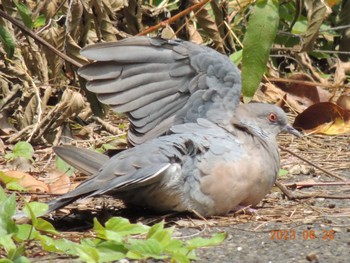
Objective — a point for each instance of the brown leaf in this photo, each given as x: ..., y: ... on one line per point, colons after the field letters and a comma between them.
x: 305, y: 94
x: 342, y: 69
x: 60, y: 184
x: 324, y: 118
x: 27, y: 181
x: 271, y: 94
x: 208, y: 24
x: 344, y: 102
x: 317, y: 12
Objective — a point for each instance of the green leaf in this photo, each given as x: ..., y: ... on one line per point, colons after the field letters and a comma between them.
x: 25, y: 13
x: 63, y: 166
x: 111, y: 251
x: 179, y: 251
x: 21, y: 149
x: 22, y: 259
x: 7, y: 210
x: 161, y: 234
x: 25, y: 232
x: 35, y: 209
x: 39, y: 21
x: 206, y: 242
x: 236, y: 57
x: 87, y: 253
x: 123, y: 226
x: 155, y: 229
x: 46, y: 226
x: 7, y: 243
x: 11, y: 182
x: 3, y: 195
x: 15, y: 186
x: 141, y: 249
x: 16, y: 254
x: 282, y: 172
x: 60, y: 245
x: 7, y: 40
x: 180, y: 257
x: 261, y: 32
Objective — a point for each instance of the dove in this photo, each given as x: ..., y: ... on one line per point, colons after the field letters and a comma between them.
x: 196, y: 147
x: 202, y: 166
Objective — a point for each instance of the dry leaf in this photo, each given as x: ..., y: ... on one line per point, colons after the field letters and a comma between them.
x: 271, y: 94
x: 305, y: 95
x: 27, y: 181
x: 342, y: 69
x: 324, y: 118
x: 59, y: 182
x: 344, y: 102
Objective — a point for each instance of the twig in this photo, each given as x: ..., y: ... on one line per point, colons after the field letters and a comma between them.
x: 39, y: 39
x: 292, y: 196
x: 300, y: 82
x: 312, y: 164
x: 174, y: 18
x: 310, y: 184
x: 108, y: 127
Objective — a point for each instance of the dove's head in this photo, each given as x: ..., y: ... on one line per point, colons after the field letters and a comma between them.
x: 264, y: 120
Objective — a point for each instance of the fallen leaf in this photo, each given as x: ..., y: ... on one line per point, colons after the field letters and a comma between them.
x: 59, y: 182
x: 271, y: 94
x: 344, y: 101
x: 300, y: 90
x: 324, y: 118
x: 27, y: 181
x: 341, y: 72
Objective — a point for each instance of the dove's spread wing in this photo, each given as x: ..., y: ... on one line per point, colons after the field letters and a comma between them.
x: 160, y: 82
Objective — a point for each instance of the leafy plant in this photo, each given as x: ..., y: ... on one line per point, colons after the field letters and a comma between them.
x: 116, y: 240
x: 21, y: 149
x: 257, y: 43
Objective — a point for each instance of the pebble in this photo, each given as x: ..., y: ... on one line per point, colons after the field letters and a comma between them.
x: 312, y: 257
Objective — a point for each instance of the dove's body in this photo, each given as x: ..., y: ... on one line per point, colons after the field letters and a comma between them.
x: 199, y: 167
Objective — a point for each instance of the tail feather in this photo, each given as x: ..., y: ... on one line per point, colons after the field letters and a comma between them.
x: 86, y: 161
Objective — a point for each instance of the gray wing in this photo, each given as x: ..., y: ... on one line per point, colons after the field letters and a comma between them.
x: 123, y: 172
x: 159, y: 83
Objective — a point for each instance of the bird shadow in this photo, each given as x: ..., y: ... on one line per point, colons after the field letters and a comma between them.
x: 81, y: 220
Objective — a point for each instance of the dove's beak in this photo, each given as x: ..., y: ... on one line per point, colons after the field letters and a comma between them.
x: 291, y: 130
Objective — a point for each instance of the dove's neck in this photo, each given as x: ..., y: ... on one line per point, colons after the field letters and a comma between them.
x: 254, y: 130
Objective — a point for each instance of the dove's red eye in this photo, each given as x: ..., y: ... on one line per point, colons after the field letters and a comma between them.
x: 272, y: 117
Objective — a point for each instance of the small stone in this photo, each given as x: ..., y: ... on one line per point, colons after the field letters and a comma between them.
x: 336, y: 229
x: 311, y: 257
x: 331, y: 206
x: 300, y: 169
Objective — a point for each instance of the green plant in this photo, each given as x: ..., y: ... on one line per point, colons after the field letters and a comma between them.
x: 21, y: 149
x: 117, y: 239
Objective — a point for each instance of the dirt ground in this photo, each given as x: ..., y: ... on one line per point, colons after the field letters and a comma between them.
x: 314, y: 227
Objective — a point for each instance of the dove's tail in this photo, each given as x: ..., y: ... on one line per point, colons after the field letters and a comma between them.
x: 86, y: 161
